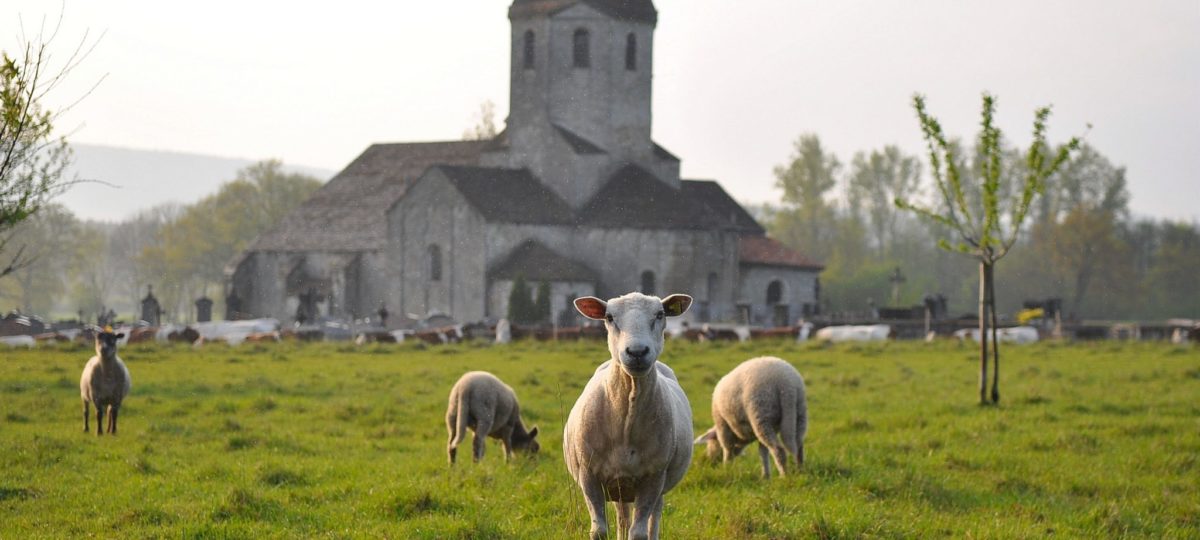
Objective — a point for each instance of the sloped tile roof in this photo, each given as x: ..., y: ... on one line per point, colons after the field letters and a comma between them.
x: 577, y: 143
x: 536, y: 262
x: 753, y: 249
x: 714, y: 197
x: 509, y: 195
x: 634, y: 198
x: 622, y: 10
x: 349, y: 213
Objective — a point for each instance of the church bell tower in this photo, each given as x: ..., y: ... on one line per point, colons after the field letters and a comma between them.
x: 580, y: 93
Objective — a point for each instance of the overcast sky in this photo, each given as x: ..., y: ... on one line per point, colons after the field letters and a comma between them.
x: 735, y: 82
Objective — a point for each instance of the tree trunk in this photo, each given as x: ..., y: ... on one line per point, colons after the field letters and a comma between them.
x: 991, y: 278
x: 984, y: 271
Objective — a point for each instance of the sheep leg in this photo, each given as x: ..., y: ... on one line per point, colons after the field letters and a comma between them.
x: 769, y: 437
x: 451, y: 448
x: 482, y: 428
x: 86, y: 413
x: 766, y: 460
x: 112, y: 419
x: 727, y: 440
x: 648, y: 499
x: 99, y: 419
x: 801, y: 429
x: 506, y: 441
x: 593, y: 495
x: 656, y: 519
x: 623, y: 519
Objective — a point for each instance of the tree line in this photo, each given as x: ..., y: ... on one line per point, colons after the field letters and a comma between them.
x: 75, y: 266
x: 1080, y: 242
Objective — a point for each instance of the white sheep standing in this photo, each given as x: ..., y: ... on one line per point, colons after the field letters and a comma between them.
x: 628, y: 437
x: 762, y: 399
x: 483, y: 402
x: 105, y: 382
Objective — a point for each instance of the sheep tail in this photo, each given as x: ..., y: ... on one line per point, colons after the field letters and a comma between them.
x: 789, y: 402
x: 464, y: 412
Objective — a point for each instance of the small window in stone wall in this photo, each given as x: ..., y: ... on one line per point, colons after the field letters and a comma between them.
x: 529, y: 49
x: 648, y: 282
x: 435, y: 263
x: 583, y: 48
x: 631, y: 52
x: 774, y: 292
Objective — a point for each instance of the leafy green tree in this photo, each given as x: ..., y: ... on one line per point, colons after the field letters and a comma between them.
x: 807, y: 218
x: 1077, y: 231
x: 989, y: 232
x: 1171, y: 280
x: 50, y: 247
x: 32, y: 159
x: 192, y: 249
x: 877, y: 179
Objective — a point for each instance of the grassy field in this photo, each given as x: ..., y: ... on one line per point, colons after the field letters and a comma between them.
x: 289, y: 441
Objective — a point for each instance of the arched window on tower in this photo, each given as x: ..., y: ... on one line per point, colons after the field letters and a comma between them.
x: 648, y: 282
x: 435, y: 263
x: 583, y: 48
x: 528, y: 51
x: 631, y: 52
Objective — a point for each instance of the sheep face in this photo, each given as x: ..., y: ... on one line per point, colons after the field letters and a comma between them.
x: 527, y: 442
x: 106, y: 344
x: 635, y: 324
x: 712, y: 446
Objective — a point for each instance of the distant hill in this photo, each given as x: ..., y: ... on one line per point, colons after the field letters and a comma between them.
x: 145, y: 178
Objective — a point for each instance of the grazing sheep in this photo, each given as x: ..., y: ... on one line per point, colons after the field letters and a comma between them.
x: 762, y: 399
x: 484, y: 403
x: 105, y: 382
x: 627, y: 439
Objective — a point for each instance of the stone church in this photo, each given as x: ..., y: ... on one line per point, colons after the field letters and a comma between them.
x: 573, y: 193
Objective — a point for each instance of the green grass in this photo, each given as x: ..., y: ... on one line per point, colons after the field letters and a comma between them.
x: 328, y: 440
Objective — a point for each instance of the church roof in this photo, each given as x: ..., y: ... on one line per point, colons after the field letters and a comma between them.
x: 579, y: 144
x: 766, y: 251
x: 349, y: 213
x: 624, y: 10
x: 536, y: 262
x: 635, y: 198
x: 713, y: 196
x: 509, y: 195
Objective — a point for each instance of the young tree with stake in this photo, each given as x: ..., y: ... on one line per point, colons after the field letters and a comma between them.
x: 989, y: 229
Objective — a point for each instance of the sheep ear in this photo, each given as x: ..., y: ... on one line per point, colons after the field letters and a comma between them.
x: 676, y: 304
x: 533, y: 432
x: 708, y: 436
x: 591, y: 307
x: 121, y: 335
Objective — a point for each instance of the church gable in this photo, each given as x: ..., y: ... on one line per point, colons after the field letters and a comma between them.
x: 349, y: 212
x: 635, y: 198
x: 508, y: 195
x: 533, y: 261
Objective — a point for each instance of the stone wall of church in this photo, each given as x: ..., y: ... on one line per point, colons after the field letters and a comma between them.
x: 261, y: 282
x: 562, y: 297
x: 681, y: 261
x: 434, y: 217
x: 797, y: 290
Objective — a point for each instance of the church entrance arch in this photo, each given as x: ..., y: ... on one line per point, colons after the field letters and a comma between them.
x: 308, y: 292
x: 779, y: 309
